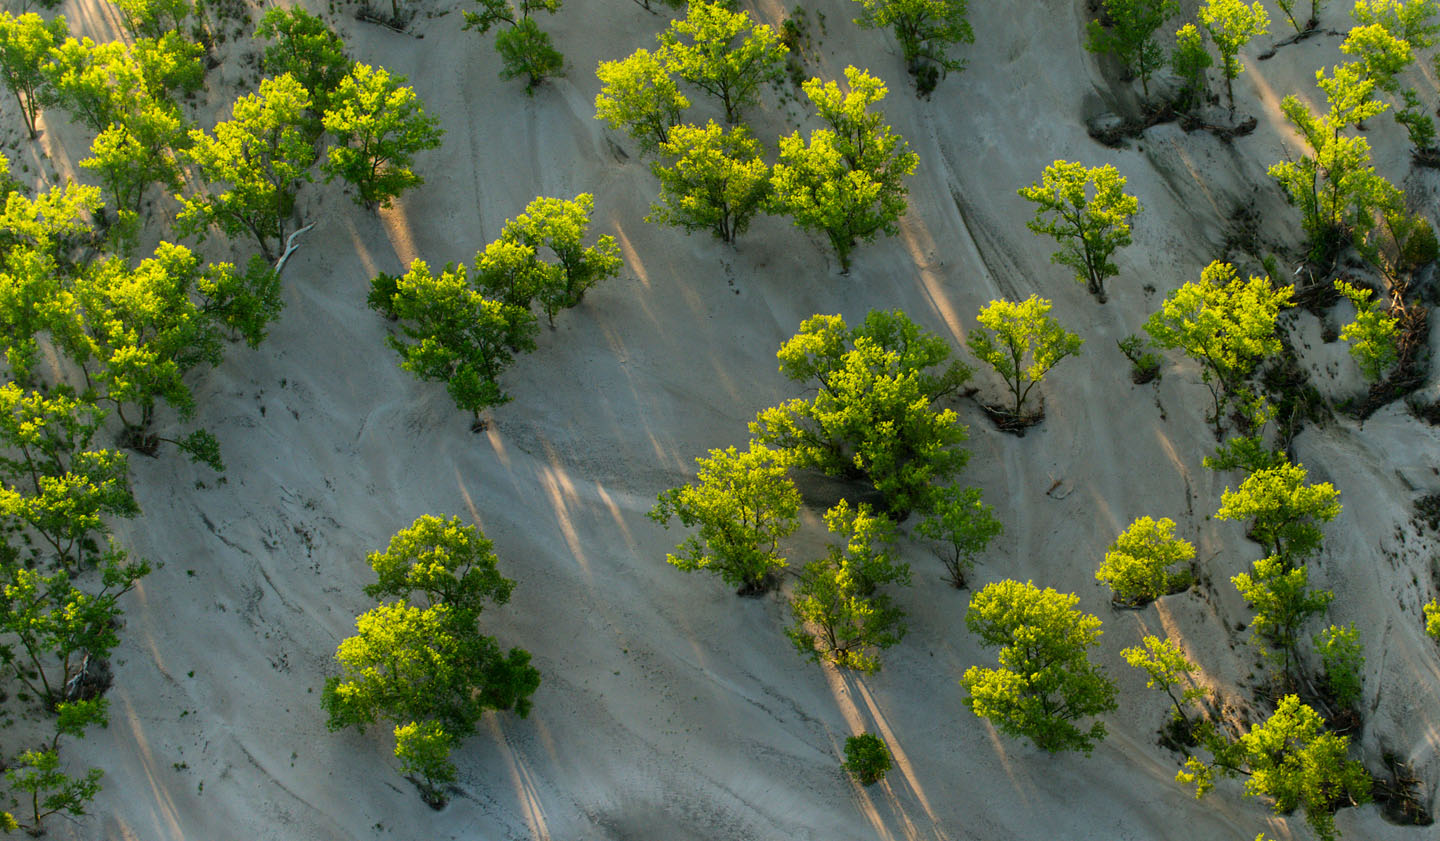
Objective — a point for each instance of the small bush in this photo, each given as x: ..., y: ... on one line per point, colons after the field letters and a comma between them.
x: 867, y: 758
x: 1144, y: 366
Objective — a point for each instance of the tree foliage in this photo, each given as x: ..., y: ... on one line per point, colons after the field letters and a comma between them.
x: 514, y: 269
x: 867, y: 758
x: 638, y: 96
x: 1232, y: 25
x: 1191, y: 61
x: 724, y: 53
x: 378, y: 125
x: 963, y: 525
x: 715, y: 180
x: 744, y: 504
x: 1137, y: 566
x: 1287, y: 512
x: 25, y: 45
x: 1341, y: 658
x: 1226, y: 325
x: 1045, y: 682
x: 848, y: 179
x: 1168, y: 669
x: 1022, y: 343
x: 1283, y: 602
x: 926, y: 30
x: 841, y: 616
x: 1372, y: 335
x: 303, y: 46
x: 1130, y: 35
x: 1088, y: 214
x: 524, y: 48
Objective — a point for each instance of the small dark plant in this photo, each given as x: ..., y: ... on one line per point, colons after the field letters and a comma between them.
x: 1144, y: 366
x: 867, y: 758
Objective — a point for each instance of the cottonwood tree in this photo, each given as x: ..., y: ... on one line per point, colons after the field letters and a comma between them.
x: 723, y: 53
x: 963, y: 525
x: 1283, y: 603
x: 743, y: 504
x: 1341, y: 659
x: 1129, y: 35
x: 252, y: 165
x: 1224, y: 324
x: 1232, y: 25
x: 1168, y: 669
x: 451, y: 332
x: 559, y: 226
x: 1022, y: 343
x: 378, y: 125
x: 1292, y: 759
x: 1286, y: 510
x: 848, y: 181
x: 926, y: 30
x: 302, y: 45
x: 429, y: 671
x: 638, y: 96
x: 1372, y: 335
x: 715, y: 180
x: 525, y: 49
x: 1137, y: 566
x: 1191, y: 61
x: 1045, y: 683
x: 1088, y: 214
x: 873, y: 414
x: 841, y: 616
x: 25, y: 45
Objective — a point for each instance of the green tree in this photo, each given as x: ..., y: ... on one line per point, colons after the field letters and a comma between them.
x: 1283, y: 602
x: 1294, y: 761
x: 378, y: 124
x: 25, y: 45
x: 66, y: 509
x: 963, y: 525
x: 873, y: 414
x: 723, y: 53
x: 1022, y: 343
x: 638, y: 96
x: 1045, y: 683
x: 1130, y: 35
x: 1137, y: 566
x: 1088, y: 214
x: 524, y: 49
x: 1226, y: 325
x: 1191, y: 61
x: 848, y: 180
x: 1287, y: 512
x: 302, y: 45
x: 262, y: 154
x: 840, y: 614
x: 718, y: 180
x: 1371, y: 335
x: 130, y: 156
x: 867, y: 758
x: 926, y: 29
x: 1232, y: 25
x: 1411, y: 21
x: 744, y: 504
x: 1167, y: 668
x: 443, y: 561
x: 1341, y: 659
x: 424, y: 754
x: 561, y: 226
x: 1431, y: 611
x: 153, y: 18
x: 50, y: 790
x: 451, y: 332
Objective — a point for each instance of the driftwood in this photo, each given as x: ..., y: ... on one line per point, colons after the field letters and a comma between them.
x: 290, y: 248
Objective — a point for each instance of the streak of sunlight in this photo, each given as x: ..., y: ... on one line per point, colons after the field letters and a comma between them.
x: 561, y: 491
x: 168, y: 814
x: 399, y: 232
x: 525, y: 789
x: 920, y: 244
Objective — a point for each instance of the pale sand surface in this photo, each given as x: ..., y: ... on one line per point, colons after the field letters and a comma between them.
x: 669, y: 708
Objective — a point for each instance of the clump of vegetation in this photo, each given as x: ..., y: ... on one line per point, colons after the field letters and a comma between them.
x: 1022, y: 342
x: 1144, y: 365
x: 1138, y: 564
x: 867, y: 758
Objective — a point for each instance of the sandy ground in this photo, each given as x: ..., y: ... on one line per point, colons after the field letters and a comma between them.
x: 669, y: 708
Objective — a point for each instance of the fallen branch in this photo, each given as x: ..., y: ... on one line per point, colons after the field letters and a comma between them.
x: 290, y: 248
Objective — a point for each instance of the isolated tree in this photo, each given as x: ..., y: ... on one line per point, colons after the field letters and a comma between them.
x: 963, y: 526
x: 54, y: 623
x: 452, y: 333
x: 1372, y: 335
x: 1130, y: 35
x: 1088, y: 214
x: 1232, y: 25
x: 1190, y: 61
x: 867, y: 758
x: 1341, y: 658
x: 524, y: 49
x: 1292, y: 759
x: 252, y: 166
x: 560, y: 226
x: 743, y: 504
x: 1287, y: 512
x: 1137, y: 566
x: 25, y: 45
x: 1283, y: 603
x: 1022, y: 343
x: 723, y: 53
x: 1045, y: 682
x: 1168, y: 669
x: 37, y: 775
x: 841, y: 616
x: 715, y: 180
x: 873, y: 415
x: 638, y: 96
x: 1224, y: 324
x: 303, y: 46
x: 926, y: 30
x: 378, y: 124
x: 848, y: 180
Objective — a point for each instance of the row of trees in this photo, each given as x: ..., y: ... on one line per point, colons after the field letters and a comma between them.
x: 845, y: 180
x: 464, y: 326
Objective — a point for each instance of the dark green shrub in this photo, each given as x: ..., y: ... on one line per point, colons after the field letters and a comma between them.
x: 867, y: 758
